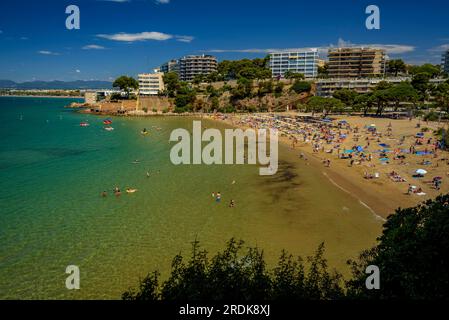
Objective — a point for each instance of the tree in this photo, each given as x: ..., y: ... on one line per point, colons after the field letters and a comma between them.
x: 126, y: 83
x: 240, y: 274
x: 420, y: 82
x: 441, y: 96
x: 432, y: 70
x: 278, y: 89
x: 396, y: 66
x: 293, y: 75
x: 265, y: 88
x: 412, y: 254
x: 323, y: 71
x: 243, y: 89
x: 301, y: 86
x: 381, y: 97
x: 185, y: 98
x: 347, y: 96
x: 198, y: 79
x: 246, y: 68
x: 171, y: 82
x: 364, y: 102
x: 325, y: 105
x: 402, y: 92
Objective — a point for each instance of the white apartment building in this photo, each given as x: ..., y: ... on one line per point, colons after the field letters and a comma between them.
x: 151, y: 84
x: 304, y: 61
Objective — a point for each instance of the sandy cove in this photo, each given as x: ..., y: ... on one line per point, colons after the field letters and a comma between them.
x: 381, y: 195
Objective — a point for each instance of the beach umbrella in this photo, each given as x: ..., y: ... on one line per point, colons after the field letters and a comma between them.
x: 421, y: 171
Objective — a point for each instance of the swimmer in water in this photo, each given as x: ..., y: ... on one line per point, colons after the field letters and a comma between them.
x: 218, y: 197
x: 104, y: 194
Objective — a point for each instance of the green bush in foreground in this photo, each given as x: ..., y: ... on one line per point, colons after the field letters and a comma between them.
x: 233, y: 275
x: 412, y: 255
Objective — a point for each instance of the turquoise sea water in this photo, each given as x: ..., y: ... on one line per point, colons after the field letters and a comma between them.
x: 52, y: 172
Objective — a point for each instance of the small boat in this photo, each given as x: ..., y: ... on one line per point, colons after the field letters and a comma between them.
x: 131, y: 190
x: 109, y: 128
x: 84, y: 124
x: 107, y: 122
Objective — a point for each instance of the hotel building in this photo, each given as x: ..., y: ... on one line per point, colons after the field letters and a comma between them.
x: 151, y: 84
x: 445, y: 65
x: 326, y: 87
x: 356, y: 62
x: 304, y: 61
x: 170, y: 66
x: 190, y: 66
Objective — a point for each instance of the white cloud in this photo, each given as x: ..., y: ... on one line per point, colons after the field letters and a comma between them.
x: 440, y: 48
x: 93, y: 47
x: 120, y: 1
x: 184, y: 38
x: 24, y: 38
x: 389, y: 48
x: 131, y: 37
x: 78, y: 71
x: 249, y: 50
x: 144, y: 36
x: 48, y: 53
x: 162, y: 1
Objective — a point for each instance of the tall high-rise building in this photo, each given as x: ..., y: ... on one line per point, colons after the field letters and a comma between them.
x: 356, y: 62
x: 304, y: 61
x: 445, y: 65
x: 170, y: 66
x: 190, y: 66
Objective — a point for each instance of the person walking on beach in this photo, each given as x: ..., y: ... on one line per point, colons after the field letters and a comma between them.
x: 410, y: 189
x: 232, y: 204
x: 218, y: 197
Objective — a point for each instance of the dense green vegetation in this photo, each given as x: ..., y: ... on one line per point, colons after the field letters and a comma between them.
x: 412, y: 255
x: 50, y: 93
x: 256, y: 69
x: 126, y: 84
x: 253, y: 81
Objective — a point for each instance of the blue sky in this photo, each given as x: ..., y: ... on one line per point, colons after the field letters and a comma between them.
x: 128, y: 37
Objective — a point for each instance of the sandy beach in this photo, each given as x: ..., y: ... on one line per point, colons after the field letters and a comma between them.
x: 382, y: 186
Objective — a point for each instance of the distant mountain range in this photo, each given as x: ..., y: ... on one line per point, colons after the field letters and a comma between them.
x: 61, y: 85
